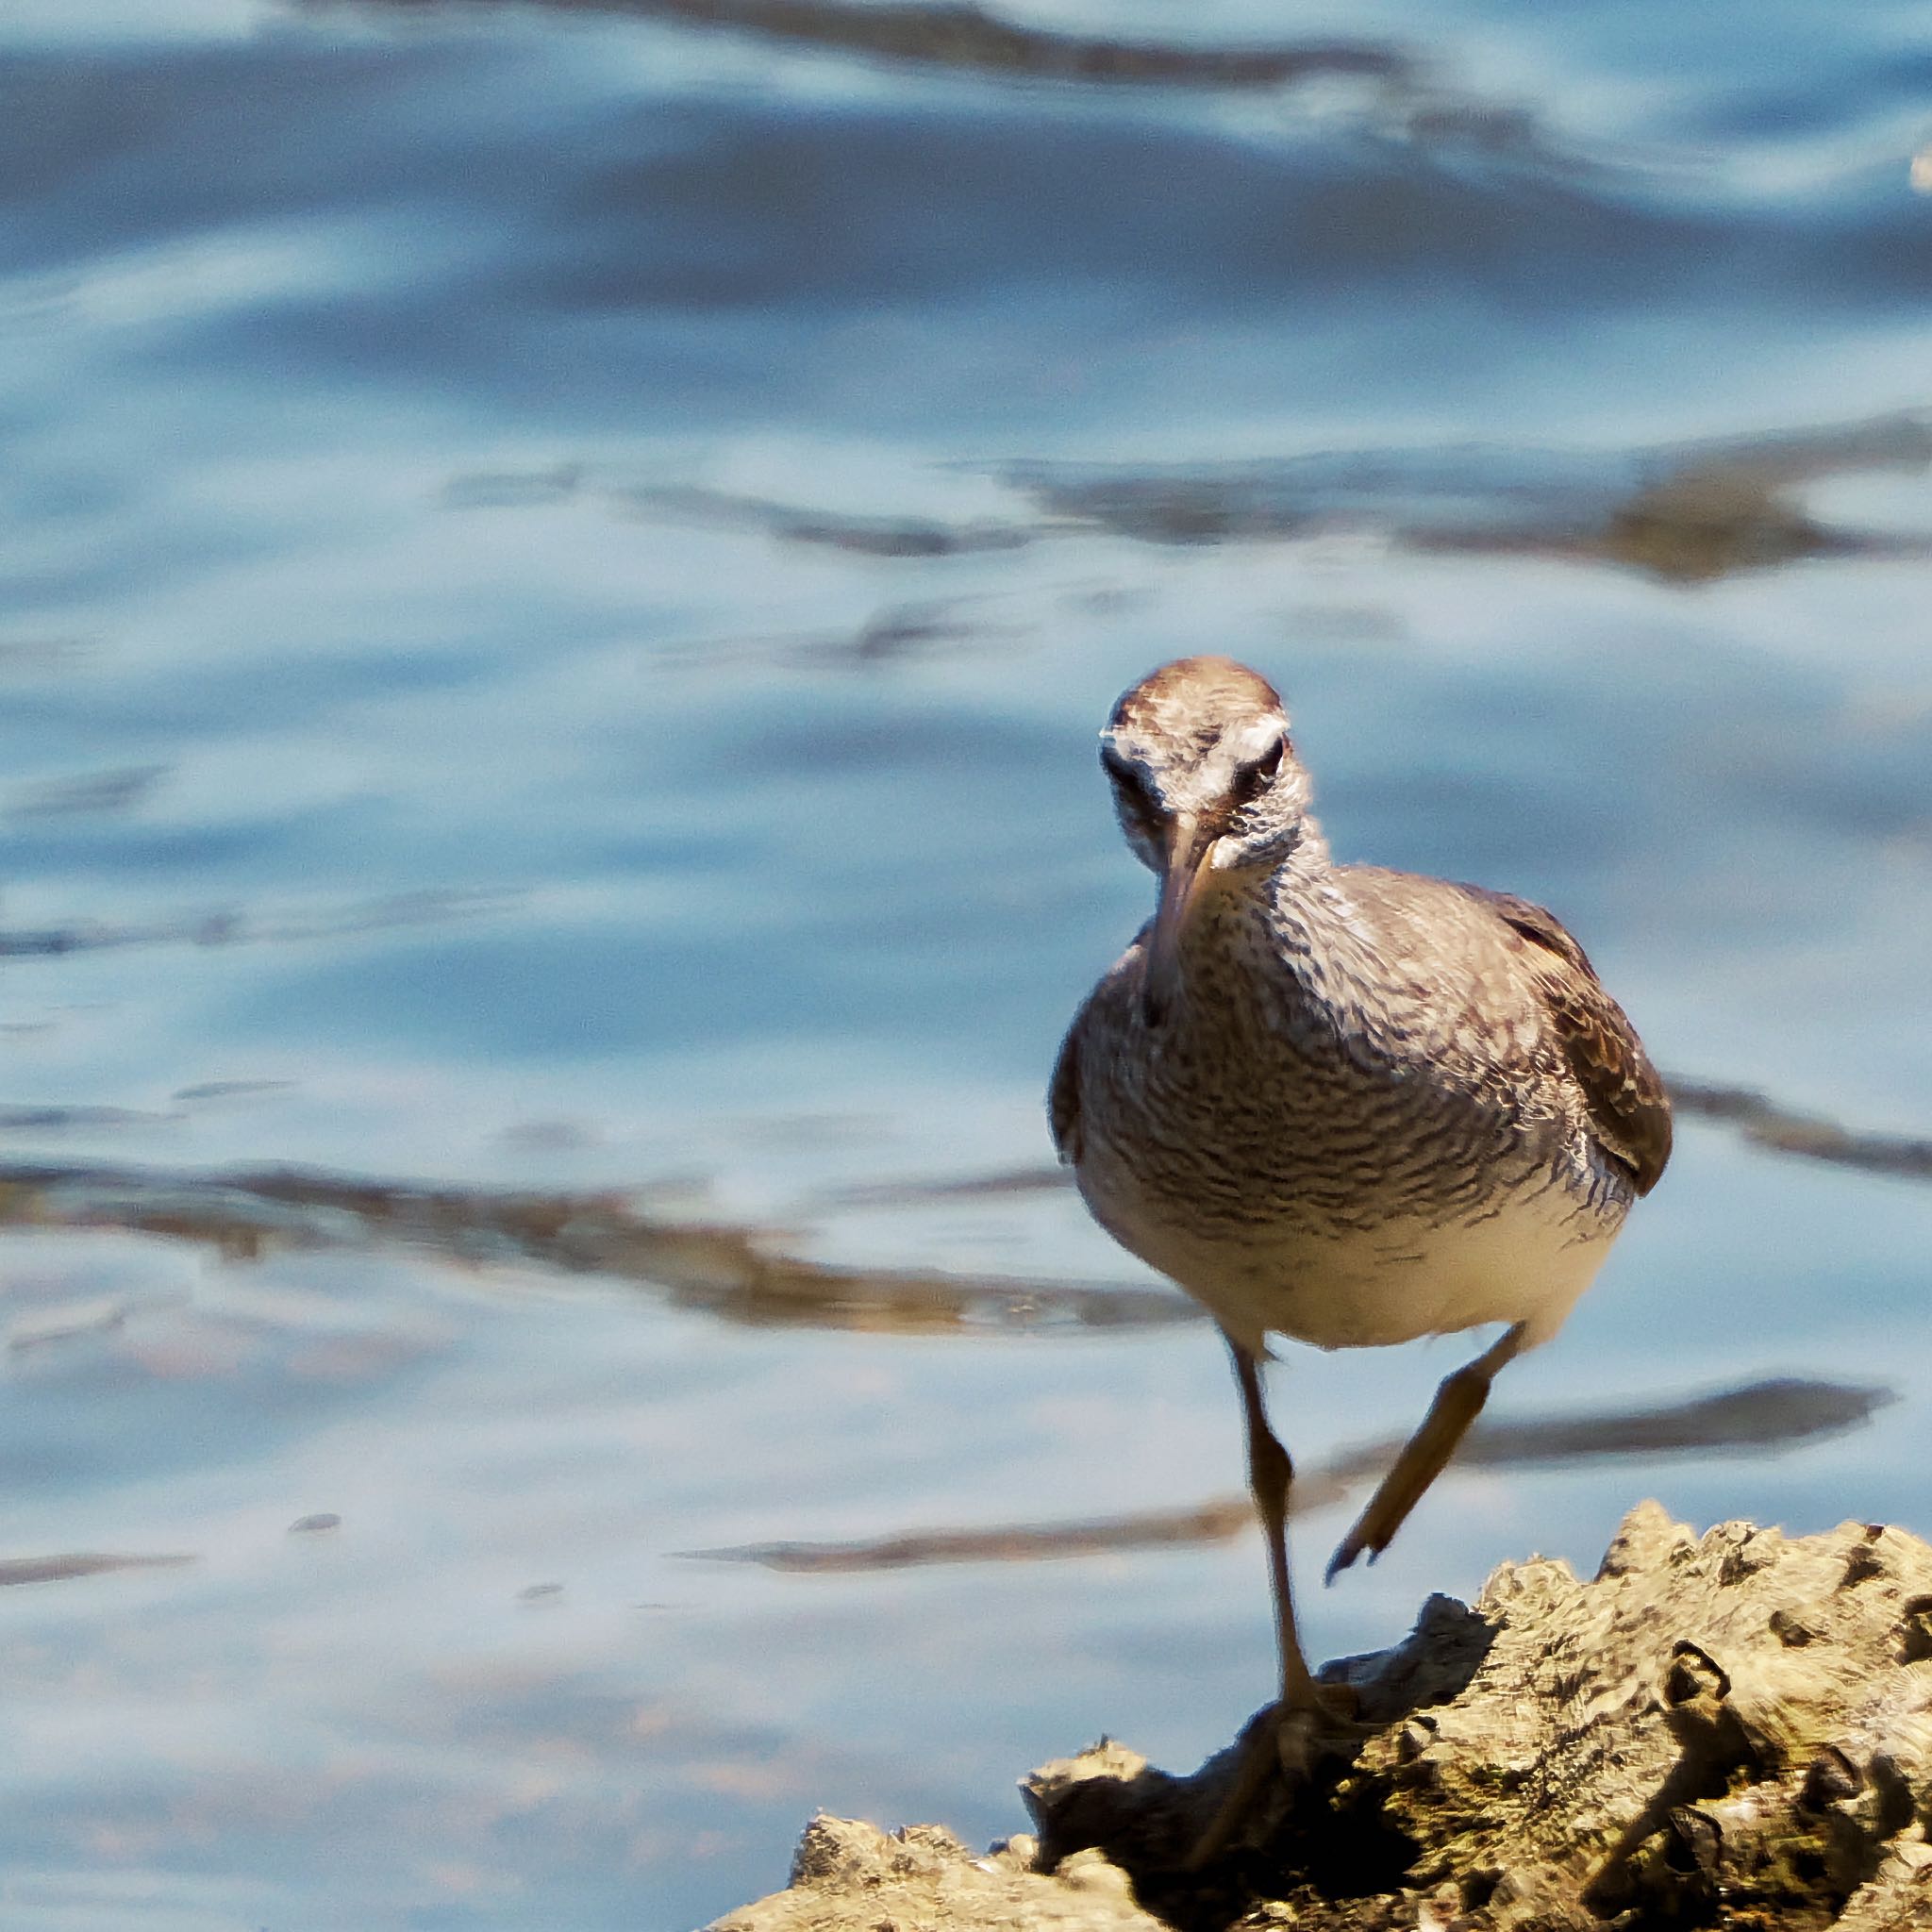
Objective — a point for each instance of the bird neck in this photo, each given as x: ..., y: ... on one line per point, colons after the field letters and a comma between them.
x: 1298, y: 884
x: 1256, y: 912
x: 1308, y: 862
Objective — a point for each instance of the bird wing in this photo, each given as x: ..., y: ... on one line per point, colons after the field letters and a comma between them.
x: 1119, y: 981
x: 1064, y: 1093
x: 1628, y: 1105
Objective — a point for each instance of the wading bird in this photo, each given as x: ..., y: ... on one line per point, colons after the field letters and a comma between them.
x: 1338, y: 1103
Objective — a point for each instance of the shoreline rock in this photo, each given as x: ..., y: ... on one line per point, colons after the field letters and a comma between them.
x: 1732, y: 1730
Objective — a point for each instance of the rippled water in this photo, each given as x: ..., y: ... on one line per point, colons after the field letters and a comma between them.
x: 559, y: 569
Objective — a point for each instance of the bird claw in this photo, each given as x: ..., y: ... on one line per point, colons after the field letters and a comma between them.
x: 1304, y: 1738
x: 1299, y: 1739
x: 1424, y: 1456
x: 1353, y: 1544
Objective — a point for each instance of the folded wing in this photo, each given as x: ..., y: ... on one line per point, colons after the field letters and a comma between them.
x: 1628, y: 1107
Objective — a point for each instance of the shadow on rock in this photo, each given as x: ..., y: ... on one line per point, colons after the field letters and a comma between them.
x: 1330, y: 1840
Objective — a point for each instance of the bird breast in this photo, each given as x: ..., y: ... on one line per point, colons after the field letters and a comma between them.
x: 1345, y: 1172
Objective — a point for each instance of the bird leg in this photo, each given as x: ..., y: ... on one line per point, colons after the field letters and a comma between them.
x: 1269, y: 1476
x: 1457, y: 1403
x: 1307, y: 1712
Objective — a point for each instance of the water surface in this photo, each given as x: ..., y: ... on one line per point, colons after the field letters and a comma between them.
x: 560, y: 566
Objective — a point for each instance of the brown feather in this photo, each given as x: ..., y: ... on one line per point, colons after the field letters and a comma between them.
x: 1628, y: 1105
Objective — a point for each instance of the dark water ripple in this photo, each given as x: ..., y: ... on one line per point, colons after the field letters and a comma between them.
x: 972, y: 39
x: 1690, y: 512
x: 1766, y: 1415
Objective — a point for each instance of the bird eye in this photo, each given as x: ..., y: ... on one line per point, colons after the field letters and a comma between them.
x: 1251, y: 778
x: 1123, y: 773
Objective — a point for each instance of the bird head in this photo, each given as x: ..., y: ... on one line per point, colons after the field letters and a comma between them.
x: 1205, y: 784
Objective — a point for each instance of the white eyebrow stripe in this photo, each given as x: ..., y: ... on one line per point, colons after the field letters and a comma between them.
x: 1259, y: 736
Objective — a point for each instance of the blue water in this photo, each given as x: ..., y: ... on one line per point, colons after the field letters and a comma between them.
x: 558, y: 575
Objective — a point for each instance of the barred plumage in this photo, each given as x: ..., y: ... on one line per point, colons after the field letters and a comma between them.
x: 1335, y: 1102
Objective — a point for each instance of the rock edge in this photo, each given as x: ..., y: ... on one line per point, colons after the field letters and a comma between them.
x: 1733, y: 1731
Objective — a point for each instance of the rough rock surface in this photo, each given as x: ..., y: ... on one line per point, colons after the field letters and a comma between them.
x: 848, y: 1874
x: 1732, y: 1730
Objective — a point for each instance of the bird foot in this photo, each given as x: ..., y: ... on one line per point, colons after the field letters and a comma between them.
x: 1388, y: 1509
x: 1367, y: 1536
x: 1306, y: 1738
x: 1425, y: 1455
x: 1284, y: 1746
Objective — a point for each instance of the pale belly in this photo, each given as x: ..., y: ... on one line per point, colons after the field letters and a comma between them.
x: 1404, y: 1279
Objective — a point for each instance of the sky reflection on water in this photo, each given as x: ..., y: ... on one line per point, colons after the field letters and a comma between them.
x: 560, y: 569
